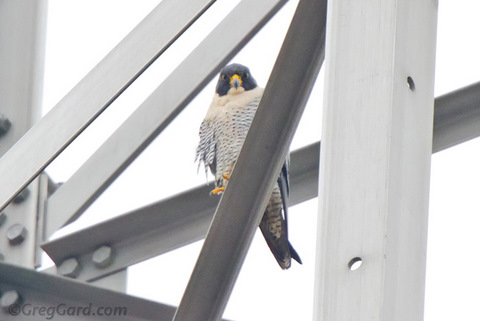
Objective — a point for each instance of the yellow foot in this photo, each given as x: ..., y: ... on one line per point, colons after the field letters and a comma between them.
x: 227, y: 177
x: 217, y: 191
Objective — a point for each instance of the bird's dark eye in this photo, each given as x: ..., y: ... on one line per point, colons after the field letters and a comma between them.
x: 224, y: 77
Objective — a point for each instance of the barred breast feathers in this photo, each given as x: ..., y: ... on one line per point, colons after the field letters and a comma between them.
x: 206, y: 148
x: 219, y: 104
x: 218, y: 110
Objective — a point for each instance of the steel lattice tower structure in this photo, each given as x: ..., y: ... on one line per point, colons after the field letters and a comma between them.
x: 372, y: 180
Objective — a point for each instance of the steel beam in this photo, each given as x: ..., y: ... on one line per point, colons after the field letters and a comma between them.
x: 22, y: 46
x: 457, y: 117
x: 22, y: 43
x: 165, y: 225
x: 41, y: 144
x: 39, y: 290
x: 115, y: 282
x: 244, y: 201
x: 43, y: 192
x: 375, y: 160
x: 158, y: 110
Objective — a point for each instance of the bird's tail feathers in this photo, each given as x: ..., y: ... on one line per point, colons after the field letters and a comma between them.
x: 281, y: 249
x: 294, y: 253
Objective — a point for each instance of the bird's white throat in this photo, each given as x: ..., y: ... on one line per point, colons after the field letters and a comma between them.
x: 220, y: 104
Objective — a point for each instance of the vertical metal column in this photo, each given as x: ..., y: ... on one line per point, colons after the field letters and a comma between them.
x: 375, y: 160
x: 22, y: 44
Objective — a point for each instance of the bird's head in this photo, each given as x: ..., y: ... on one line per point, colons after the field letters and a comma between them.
x: 235, y: 79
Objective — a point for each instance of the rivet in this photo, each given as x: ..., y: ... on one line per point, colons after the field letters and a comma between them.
x: 103, y: 256
x: 9, y: 298
x: 16, y: 234
x: 22, y: 196
x: 5, y: 125
x: 3, y: 218
x: 70, y: 268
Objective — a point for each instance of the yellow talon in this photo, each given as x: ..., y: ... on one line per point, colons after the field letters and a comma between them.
x: 217, y: 190
x: 220, y: 190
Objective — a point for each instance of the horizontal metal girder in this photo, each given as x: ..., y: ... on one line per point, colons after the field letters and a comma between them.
x: 95, y: 92
x: 168, y: 224
x: 457, y: 117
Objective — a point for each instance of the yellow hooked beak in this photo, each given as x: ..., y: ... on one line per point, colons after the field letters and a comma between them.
x: 235, y: 81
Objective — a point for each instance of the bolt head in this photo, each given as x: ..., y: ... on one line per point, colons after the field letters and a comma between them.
x: 16, y: 234
x: 5, y: 125
x: 9, y: 298
x: 70, y: 268
x: 22, y: 196
x: 3, y: 218
x: 103, y: 256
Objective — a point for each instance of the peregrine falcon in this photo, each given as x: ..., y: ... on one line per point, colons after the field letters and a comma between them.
x: 222, y: 134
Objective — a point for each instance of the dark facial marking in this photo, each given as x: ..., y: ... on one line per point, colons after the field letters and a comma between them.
x: 223, y: 84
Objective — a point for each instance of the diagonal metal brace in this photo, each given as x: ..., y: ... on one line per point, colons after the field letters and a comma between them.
x: 157, y: 111
x: 265, y: 148
x: 95, y: 92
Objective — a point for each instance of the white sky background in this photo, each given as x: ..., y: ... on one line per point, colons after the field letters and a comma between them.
x: 82, y: 32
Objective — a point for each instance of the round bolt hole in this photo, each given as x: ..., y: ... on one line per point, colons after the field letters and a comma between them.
x: 355, y: 263
x: 410, y: 83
